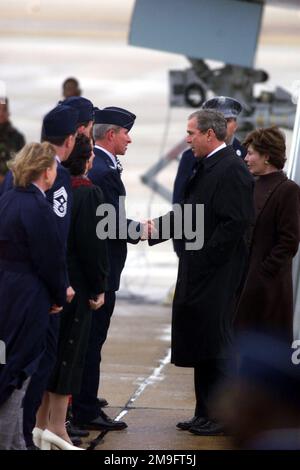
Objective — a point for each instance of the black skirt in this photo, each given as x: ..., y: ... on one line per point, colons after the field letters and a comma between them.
x: 76, y: 320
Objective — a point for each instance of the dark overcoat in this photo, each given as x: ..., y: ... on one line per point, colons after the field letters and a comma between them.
x: 32, y: 277
x: 88, y: 271
x: 108, y: 178
x: 266, y: 302
x: 209, y: 278
x: 183, y: 175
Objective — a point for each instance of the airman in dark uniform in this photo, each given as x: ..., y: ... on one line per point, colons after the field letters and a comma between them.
x: 59, y: 128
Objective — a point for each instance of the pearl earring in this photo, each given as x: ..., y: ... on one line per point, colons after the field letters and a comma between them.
x: 266, y: 162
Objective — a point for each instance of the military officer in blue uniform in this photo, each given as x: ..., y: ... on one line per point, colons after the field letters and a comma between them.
x: 111, y: 135
x: 230, y: 108
x: 32, y: 279
x: 59, y: 128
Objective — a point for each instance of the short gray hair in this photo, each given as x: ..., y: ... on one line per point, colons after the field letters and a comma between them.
x: 211, y: 119
x: 99, y: 130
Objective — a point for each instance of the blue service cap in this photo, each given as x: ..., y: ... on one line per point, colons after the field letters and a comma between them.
x: 269, y: 362
x: 60, y: 121
x: 114, y: 115
x: 84, y: 106
x: 229, y: 107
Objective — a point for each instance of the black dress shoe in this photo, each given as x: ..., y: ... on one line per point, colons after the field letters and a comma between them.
x: 76, y: 441
x: 210, y: 428
x: 196, y: 420
x: 74, y: 431
x: 102, y: 402
x: 103, y: 423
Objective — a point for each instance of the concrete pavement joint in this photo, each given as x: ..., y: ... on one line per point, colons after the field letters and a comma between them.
x: 156, y: 374
x: 148, y: 381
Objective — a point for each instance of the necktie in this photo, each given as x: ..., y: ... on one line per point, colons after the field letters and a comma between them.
x: 119, y: 165
x: 191, y: 181
x: 198, y: 166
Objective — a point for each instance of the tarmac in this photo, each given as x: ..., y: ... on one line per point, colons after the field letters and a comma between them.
x: 143, y: 388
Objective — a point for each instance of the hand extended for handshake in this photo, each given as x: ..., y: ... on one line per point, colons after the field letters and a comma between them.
x: 148, y: 229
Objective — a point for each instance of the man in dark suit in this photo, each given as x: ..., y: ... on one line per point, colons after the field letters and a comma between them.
x: 111, y: 135
x: 210, y: 277
x: 230, y: 108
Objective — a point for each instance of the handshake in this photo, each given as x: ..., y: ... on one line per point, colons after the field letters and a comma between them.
x: 147, y: 229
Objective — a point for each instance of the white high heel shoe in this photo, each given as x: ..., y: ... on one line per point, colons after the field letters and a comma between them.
x: 37, y: 436
x: 49, y: 438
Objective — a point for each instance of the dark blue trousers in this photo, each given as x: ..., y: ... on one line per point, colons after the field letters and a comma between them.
x: 39, y: 379
x: 85, y: 406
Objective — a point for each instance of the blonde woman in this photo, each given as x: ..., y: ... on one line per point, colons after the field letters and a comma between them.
x: 32, y: 280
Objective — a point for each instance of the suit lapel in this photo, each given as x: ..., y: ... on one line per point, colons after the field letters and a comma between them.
x: 206, y: 164
x: 104, y: 157
x: 113, y: 171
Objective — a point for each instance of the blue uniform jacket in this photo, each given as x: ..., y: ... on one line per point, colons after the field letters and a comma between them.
x: 59, y: 196
x: 32, y: 277
x: 104, y: 175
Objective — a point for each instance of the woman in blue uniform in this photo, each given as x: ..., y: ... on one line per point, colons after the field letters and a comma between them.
x: 32, y: 280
